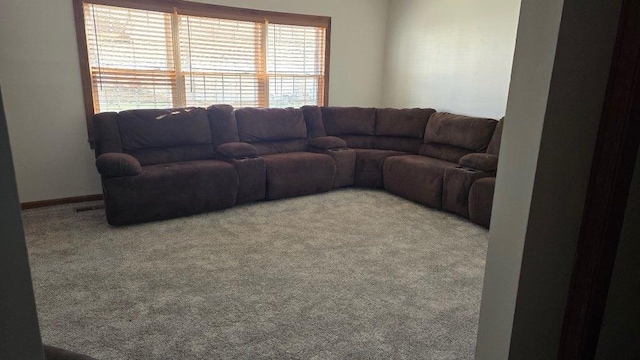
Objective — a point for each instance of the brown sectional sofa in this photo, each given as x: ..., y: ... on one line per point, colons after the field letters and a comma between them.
x: 448, y: 138
x: 158, y: 164
x: 279, y: 137
x: 375, y: 135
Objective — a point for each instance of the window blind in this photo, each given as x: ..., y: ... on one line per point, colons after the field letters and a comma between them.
x: 153, y: 59
x: 221, y: 61
x: 130, y: 58
x: 295, y: 65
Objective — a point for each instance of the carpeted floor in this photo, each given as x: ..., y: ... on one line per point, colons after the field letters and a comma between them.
x: 347, y: 274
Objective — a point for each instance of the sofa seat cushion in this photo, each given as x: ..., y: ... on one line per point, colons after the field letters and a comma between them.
x: 369, y: 166
x: 170, y: 190
x: 417, y: 178
x: 480, y: 161
x: 327, y: 143
x: 298, y: 173
x: 359, y: 141
x: 443, y: 152
x: 481, y: 201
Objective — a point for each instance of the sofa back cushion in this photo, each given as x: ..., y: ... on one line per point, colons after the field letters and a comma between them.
x: 224, y: 128
x: 144, y: 129
x: 165, y: 136
x: 460, y: 131
x: 313, y: 119
x: 272, y: 130
x: 402, y: 122
x: 355, y: 125
x: 496, y: 139
x: 401, y: 129
x: 258, y: 125
x: 349, y: 120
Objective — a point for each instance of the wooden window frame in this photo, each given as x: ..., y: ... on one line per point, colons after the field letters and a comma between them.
x: 182, y: 7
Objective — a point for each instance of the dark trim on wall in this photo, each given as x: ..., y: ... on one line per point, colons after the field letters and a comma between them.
x: 611, y: 174
x: 85, y: 75
x: 219, y: 11
x: 327, y: 57
x: 69, y: 200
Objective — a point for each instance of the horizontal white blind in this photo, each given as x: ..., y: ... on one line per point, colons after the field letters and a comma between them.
x: 130, y: 57
x: 151, y: 59
x: 295, y: 65
x: 221, y: 61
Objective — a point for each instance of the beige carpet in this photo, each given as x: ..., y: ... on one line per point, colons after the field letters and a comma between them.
x: 356, y: 274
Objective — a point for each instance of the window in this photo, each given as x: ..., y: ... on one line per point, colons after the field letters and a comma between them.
x: 173, y: 53
x: 131, y: 58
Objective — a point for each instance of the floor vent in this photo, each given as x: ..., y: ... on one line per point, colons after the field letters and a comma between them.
x: 90, y: 208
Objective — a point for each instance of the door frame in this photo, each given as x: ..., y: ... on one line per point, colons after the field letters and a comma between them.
x: 611, y: 174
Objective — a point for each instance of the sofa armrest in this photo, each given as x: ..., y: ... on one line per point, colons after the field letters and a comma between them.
x: 479, y: 161
x: 236, y: 150
x: 118, y: 165
x: 327, y: 143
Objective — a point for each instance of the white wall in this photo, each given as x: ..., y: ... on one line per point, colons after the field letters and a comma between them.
x: 452, y: 55
x: 532, y: 70
x: 40, y: 79
x: 40, y: 76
